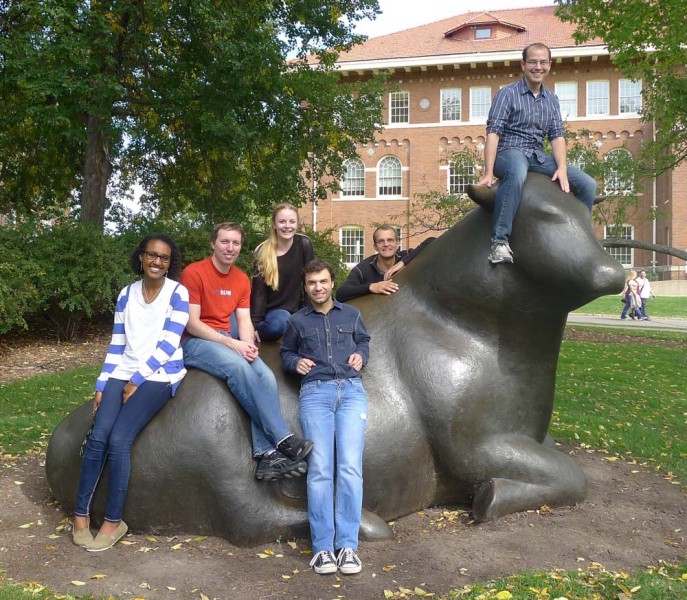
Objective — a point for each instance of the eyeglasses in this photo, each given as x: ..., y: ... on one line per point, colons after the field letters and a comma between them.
x: 385, y: 241
x: 164, y: 258
x: 534, y: 63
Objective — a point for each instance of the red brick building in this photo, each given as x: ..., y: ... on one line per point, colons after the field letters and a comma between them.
x: 444, y: 77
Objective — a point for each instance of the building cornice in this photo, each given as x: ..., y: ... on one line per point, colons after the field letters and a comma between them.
x: 440, y: 61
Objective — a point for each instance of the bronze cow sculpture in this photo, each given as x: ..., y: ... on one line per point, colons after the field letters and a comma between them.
x: 460, y: 382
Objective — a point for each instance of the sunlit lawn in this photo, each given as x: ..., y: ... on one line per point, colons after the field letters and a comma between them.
x: 661, y: 307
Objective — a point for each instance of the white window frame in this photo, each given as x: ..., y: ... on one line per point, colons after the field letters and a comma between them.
x: 458, y: 181
x: 399, y: 108
x: 629, y: 92
x: 622, y: 254
x: 613, y: 185
x: 598, y: 98
x: 481, y: 31
x: 567, y: 98
x: 353, y: 185
x: 352, y: 243
x: 389, y: 171
x: 481, y: 115
x: 449, y: 98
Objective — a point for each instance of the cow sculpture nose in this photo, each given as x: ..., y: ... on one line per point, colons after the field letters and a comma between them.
x: 608, y: 278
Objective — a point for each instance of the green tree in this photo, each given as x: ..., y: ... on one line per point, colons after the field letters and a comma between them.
x: 646, y: 42
x: 197, y: 100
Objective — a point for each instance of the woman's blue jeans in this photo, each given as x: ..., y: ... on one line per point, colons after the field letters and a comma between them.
x: 274, y: 325
x: 252, y: 384
x: 116, y: 426
x: 333, y: 414
x: 511, y: 168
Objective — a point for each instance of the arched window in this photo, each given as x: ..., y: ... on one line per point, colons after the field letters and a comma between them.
x: 625, y: 232
x: 389, y: 176
x: 617, y: 176
x: 353, y: 181
x: 352, y: 242
x: 459, y: 176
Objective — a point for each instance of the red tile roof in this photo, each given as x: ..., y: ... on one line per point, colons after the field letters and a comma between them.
x: 527, y: 25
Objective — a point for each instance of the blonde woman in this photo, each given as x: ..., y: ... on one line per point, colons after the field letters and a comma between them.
x: 633, y: 301
x: 277, y: 289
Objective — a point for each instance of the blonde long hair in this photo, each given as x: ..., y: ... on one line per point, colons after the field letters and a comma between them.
x: 266, y: 252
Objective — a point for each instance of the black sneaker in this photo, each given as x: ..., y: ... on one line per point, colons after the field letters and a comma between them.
x: 294, y: 447
x: 348, y: 562
x: 323, y: 563
x: 277, y: 466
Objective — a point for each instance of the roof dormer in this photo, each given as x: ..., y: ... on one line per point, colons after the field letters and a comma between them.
x: 484, y: 27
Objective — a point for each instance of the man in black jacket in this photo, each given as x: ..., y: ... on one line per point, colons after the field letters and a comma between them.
x: 374, y: 274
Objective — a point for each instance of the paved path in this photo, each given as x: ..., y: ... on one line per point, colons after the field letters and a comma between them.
x: 615, y: 322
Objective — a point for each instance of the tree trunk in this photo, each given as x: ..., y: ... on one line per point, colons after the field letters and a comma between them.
x: 96, y: 172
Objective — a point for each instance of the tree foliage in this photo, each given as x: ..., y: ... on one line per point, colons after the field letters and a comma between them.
x: 196, y: 100
x: 646, y: 41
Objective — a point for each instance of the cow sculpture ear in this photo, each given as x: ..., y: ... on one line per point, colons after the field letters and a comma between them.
x: 483, y: 195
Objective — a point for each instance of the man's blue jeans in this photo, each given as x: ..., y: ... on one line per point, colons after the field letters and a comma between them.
x: 116, y: 426
x: 252, y: 384
x: 333, y: 414
x: 511, y: 167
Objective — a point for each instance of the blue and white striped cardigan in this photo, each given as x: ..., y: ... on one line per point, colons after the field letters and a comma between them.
x: 167, y: 355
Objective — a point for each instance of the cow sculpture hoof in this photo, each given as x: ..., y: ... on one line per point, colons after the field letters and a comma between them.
x: 461, y: 384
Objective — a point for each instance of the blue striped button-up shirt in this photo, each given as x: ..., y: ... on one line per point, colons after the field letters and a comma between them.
x: 521, y: 120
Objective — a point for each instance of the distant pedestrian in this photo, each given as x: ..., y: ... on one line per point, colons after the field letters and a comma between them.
x: 645, y: 291
x: 632, y: 299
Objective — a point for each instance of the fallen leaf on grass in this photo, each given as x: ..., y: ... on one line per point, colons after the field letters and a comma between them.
x: 19, y: 482
x: 75, y: 582
x: 127, y: 542
x: 98, y: 576
x: 286, y: 576
x: 26, y: 525
x: 176, y: 547
x: 388, y: 568
x: 504, y: 595
x: 200, y: 538
x: 292, y: 545
x: 145, y: 586
x: 170, y: 588
x: 151, y: 538
x: 145, y: 549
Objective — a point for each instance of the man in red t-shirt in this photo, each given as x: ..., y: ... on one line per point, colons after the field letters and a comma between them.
x: 217, y: 288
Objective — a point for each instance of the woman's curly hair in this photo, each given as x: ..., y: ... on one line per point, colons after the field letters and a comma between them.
x: 174, y: 269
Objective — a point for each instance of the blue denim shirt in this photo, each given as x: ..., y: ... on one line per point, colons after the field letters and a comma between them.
x: 521, y: 120
x: 327, y: 339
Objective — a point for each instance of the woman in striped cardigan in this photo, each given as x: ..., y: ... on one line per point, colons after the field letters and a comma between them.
x: 142, y: 370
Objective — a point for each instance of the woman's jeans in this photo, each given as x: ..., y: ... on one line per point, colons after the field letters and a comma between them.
x: 333, y: 415
x: 511, y: 168
x: 270, y: 329
x: 274, y: 325
x: 252, y: 384
x: 116, y: 426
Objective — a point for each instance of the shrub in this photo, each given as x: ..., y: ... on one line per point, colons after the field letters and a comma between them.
x: 83, y: 271
x: 18, y: 272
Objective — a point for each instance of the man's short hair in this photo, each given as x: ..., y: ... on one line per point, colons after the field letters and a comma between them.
x: 316, y: 265
x: 384, y: 228
x: 535, y: 46
x: 227, y: 226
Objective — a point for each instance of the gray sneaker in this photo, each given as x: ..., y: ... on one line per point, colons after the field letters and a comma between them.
x: 324, y: 562
x: 500, y: 253
x: 348, y: 562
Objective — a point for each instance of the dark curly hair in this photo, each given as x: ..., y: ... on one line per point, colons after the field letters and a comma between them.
x: 174, y: 269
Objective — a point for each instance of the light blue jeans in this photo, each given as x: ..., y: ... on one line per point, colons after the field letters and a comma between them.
x: 511, y: 167
x: 114, y: 431
x: 333, y: 414
x: 252, y: 384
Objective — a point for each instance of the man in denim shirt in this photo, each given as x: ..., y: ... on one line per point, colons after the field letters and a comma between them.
x: 521, y: 114
x: 327, y: 343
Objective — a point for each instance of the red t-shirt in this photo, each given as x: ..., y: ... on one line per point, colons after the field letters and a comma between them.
x: 218, y: 294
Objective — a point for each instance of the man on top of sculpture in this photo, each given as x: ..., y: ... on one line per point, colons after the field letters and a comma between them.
x: 217, y: 288
x: 521, y: 114
x: 374, y: 274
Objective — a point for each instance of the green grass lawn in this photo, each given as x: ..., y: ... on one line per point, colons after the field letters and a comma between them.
x: 662, y: 307
x: 626, y: 399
